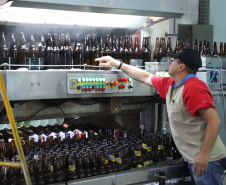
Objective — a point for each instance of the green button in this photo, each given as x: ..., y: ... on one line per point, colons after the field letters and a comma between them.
x: 97, y: 80
x: 100, y: 85
x: 130, y: 79
x: 100, y: 79
x: 97, y: 85
x: 79, y: 79
x: 87, y: 79
x: 83, y: 79
x: 90, y: 85
x: 94, y: 79
x: 90, y: 79
x: 104, y: 80
x: 84, y: 85
x: 104, y: 85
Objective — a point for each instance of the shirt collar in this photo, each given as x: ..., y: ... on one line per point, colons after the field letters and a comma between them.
x: 184, y: 80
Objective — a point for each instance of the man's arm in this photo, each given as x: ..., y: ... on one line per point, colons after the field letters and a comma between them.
x: 134, y: 72
x: 212, y: 128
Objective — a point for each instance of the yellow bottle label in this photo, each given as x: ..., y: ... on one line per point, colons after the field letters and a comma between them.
x: 17, y: 157
x: 160, y: 147
x: 71, y: 168
x: 137, y: 153
x: 139, y: 166
x: 147, y: 163
x: 112, y: 158
x: 145, y: 146
x: 149, y: 149
x: 150, y: 162
x: 105, y: 161
x: 51, y: 168
x: 169, y: 158
x: 118, y: 160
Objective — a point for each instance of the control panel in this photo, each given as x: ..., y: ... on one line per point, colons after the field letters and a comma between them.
x: 99, y: 83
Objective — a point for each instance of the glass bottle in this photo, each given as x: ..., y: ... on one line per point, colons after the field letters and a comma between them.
x: 127, y: 51
x: 168, y: 47
x: 13, y: 52
x: 146, y: 52
x: 195, y: 45
x: 137, y: 54
x: 157, y: 47
x: 72, y: 174
x: 77, y: 53
x: 208, y: 52
x: 214, y: 51
x: 200, y: 47
x: 41, y: 47
x: 32, y: 53
x: 68, y: 51
x: 56, y: 52
x: 38, y: 172
x: 107, y: 48
x: 221, y: 49
x: 177, y: 46
x: 22, y: 51
x: 48, y: 171
x: 62, y: 52
x: 101, y: 48
x: 79, y: 166
x: 4, y: 52
x: 95, y: 52
x: 225, y: 49
x: 48, y: 53
x: 188, y: 44
x: 87, y: 52
x: 183, y: 45
x: 115, y: 52
x: 121, y: 49
x: 203, y: 51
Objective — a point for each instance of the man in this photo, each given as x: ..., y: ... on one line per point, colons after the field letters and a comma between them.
x: 193, y: 119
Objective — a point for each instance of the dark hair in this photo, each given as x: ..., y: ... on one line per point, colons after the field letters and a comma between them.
x: 188, y: 69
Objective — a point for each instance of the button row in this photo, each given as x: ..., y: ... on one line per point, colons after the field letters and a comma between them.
x: 90, y: 87
x: 91, y: 79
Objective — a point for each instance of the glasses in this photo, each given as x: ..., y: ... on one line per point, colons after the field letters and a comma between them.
x: 171, y: 60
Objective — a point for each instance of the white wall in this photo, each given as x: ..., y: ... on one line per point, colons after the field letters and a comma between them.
x: 217, y: 19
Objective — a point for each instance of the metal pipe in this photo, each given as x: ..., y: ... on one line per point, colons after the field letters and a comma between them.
x: 15, y: 132
x: 10, y: 164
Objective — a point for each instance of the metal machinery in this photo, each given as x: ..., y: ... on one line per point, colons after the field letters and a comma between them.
x: 117, y: 100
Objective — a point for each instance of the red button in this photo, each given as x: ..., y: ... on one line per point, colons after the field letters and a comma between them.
x: 107, y: 83
x: 123, y: 79
x: 113, y: 83
x: 83, y: 89
x: 97, y: 89
x: 90, y: 89
x: 120, y: 79
x: 103, y: 88
x: 126, y: 79
x: 123, y: 86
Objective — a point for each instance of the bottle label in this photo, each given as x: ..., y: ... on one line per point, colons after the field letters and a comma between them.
x: 147, y: 163
x: 105, y: 161
x: 150, y: 162
x: 51, y: 168
x: 17, y: 157
x: 160, y: 147
x: 149, y: 149
x: 137, y: 153
x: 118, y: 160
x: 65, y: 125
x: 71, y: 168
x: 144, y: 164
x: 36, y: 157
x: 169, y: 158
x: 139, y: 166
x: 112, y: 158
x: 145, y: 146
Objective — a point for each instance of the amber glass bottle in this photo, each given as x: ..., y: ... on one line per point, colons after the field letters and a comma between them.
x: 95, y: 52
x: 214, y: 51
x: 22, y: 51
x: 68, y: 51
x: 221, y: 49
x: 77, y: 53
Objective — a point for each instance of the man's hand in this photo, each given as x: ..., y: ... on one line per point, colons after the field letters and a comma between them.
x: 200, y: 165
x: 107, y: 61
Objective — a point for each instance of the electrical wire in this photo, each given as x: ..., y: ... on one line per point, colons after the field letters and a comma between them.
x: 42, y: 110
x: 214, y: 73
x: 222, y: 89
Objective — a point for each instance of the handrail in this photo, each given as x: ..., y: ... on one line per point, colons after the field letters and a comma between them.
x: 20, y: 151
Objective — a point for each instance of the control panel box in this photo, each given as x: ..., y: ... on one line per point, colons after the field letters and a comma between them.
x: 99, y: 83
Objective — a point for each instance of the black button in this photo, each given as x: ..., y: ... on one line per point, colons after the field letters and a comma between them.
x: 173, y: 101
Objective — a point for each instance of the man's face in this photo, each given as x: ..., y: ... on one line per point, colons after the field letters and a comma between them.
x: 174, y: 65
